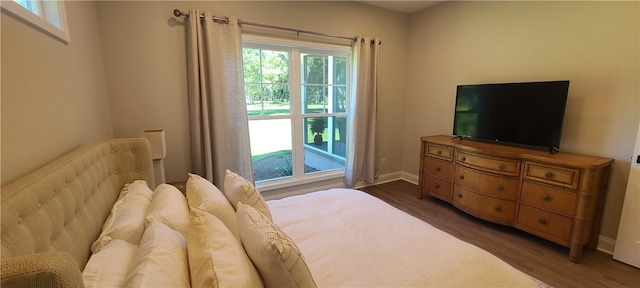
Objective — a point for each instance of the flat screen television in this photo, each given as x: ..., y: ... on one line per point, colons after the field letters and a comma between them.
x: 528, y: 114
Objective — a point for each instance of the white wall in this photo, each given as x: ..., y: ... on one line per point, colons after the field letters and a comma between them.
x: 54, y: 95
x: 595, y: 45
x: 145, y: 63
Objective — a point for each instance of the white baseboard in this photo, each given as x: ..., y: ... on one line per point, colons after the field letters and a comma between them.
x: 606, y: 244
x: 411, y: 178
x: 383, y: 178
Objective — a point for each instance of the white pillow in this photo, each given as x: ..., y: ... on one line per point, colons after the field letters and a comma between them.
x: 238, y: 189
x: 161, y: 260
x: 205, y: 196
x: 108, y: 267
x: 126, y: 221
x: 169, y: 206
x: 216, y: 257
x: 137, y: 187
x: 274, y: 254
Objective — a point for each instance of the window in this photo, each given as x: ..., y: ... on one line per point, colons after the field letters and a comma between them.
x: 48, y: 16
x: 296, y: 95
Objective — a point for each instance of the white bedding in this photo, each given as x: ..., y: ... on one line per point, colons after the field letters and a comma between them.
x: 350, y: 238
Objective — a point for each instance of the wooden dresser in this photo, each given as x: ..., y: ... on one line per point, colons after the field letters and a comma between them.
x: 559, y: 197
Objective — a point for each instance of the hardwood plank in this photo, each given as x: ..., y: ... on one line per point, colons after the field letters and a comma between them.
x: 535, y: 256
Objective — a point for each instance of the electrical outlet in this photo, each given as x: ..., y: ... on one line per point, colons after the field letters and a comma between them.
x: 383, y: 162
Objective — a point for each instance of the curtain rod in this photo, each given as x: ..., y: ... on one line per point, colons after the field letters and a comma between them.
x: 179, y: 13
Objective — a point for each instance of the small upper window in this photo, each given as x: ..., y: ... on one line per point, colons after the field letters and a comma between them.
x: 48, y: 16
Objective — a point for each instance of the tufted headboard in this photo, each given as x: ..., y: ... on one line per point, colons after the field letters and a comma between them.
x: 62, y: 206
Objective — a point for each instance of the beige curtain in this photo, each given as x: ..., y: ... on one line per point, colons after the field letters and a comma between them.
x: 362, y: 139
x: 218, y: 115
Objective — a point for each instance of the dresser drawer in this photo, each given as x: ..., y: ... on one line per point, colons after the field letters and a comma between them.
x: 499, y: 186
x: 551, y: 174
x: 544, y: 221
x: 440, y: 152
x: 438, y: 186
x: 502, y: 166
x: 561, y: 201
x: 439, y: 168
x: 494, y: 207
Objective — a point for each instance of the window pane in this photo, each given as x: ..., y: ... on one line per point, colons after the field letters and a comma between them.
x: 340, y: 70
x: 324, y: 143
x: 271, y: 148
x: 253, y: 95
x: 339, y: 98
x: 315, y: 99
x: 339, y: 140
x: 266, y: 75
x: 276, y: 99
x: 251, y: 65
x: 30, y: 5
x: 314, y: 69
x: 275, y: 67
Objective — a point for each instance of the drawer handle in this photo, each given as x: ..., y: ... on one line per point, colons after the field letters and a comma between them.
x: 542, y: 221
x: 548, y: 175
x: 546, y: 197
x: 498, y: 208
x: 500, y: 187
x: 437, y: 168
x: 462, y: 158
x: 459, y: 195
x: 461, y: 176
x: 501, y: 166
x: 436, y: 185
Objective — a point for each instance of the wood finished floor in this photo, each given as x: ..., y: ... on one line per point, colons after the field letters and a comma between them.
x: 535, y: 256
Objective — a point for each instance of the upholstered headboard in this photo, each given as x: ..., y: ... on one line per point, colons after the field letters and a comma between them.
x: 62, y: 206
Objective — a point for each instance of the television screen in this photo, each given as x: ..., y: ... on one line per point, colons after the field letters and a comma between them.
x: 528, y: 114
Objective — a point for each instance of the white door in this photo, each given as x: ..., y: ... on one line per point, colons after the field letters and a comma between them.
x: 628, y: 241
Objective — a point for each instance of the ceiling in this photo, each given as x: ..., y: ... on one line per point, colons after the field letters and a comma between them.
x: 406, y: 7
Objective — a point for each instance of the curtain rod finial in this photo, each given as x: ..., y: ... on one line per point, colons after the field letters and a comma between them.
x: 177, y: 13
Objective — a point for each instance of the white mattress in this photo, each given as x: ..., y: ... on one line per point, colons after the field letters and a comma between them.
x: 350, y: 238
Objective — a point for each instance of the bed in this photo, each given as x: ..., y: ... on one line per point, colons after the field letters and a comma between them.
x: 53, y: 218
x: 377, y: 245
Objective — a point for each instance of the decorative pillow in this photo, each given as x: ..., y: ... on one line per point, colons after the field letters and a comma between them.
x: 239, y: 189
x: 161, y: 260
x: 169, y: 206
x: 108, y: 267
x: 205, y: 196
x: 126, y: 221
x: 274, y: 254
x: 216, y: 257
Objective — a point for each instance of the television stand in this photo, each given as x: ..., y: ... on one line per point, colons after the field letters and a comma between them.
x: 553, y: 150
x: 457, y: 136
x: 558, y: 197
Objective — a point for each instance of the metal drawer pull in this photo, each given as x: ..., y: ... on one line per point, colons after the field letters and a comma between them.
x: 462, y: 158
x: 438, y: 152
x: 548, y: 174
x: 546, y: 197
x: 501, y: 166
x: 436, y: 185
x: 459, y: 195
x: 542, y: 221
x: 498, y: 208
x: 500, y: 187
x: 437, y: 168
x: 461, y: 176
